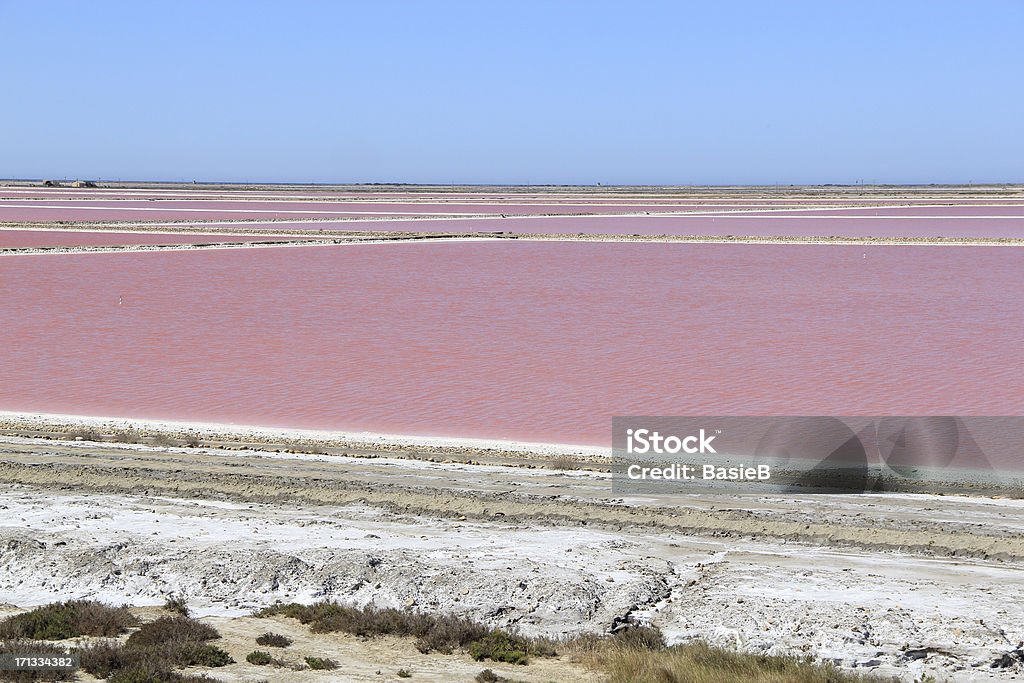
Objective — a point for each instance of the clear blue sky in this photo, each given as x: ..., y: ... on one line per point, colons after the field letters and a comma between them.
x: 514, y: 92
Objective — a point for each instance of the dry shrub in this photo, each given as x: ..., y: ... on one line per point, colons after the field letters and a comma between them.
x: 128, y: 436
x: 154, y: 673
x: 445, y: 633
x: 171, y: 630
x: 103, y: 658
x: 563, y: 462
x: 441, y: 634
x: 433, y: 633
x: 112, y: 659
x: 177, y: 604
x: 273, y: 640
x: 155, y: 650
x: 60, y: 620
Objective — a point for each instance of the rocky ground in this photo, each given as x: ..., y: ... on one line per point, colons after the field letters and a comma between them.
x: 898, y: 584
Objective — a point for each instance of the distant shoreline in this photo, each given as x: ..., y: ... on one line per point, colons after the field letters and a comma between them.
x: 379, y: 186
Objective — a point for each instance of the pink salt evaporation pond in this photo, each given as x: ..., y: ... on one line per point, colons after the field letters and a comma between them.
x: 524, y: 340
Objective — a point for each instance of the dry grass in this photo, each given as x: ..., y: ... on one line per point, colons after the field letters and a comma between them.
x: 624, y: 661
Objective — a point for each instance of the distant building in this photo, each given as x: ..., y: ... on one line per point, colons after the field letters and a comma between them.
x: 83, y: 183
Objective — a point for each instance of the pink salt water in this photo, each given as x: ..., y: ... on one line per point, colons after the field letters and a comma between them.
x: 535, y: 341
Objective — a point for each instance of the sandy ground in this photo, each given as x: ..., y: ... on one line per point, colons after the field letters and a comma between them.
x: 899, y: 584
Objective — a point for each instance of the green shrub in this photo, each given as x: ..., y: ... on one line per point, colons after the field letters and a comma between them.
x: 404, y: 673
x: 202, y: 654
x: 321, y: 664
x: 499, y: 646
x: 259, y: 657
